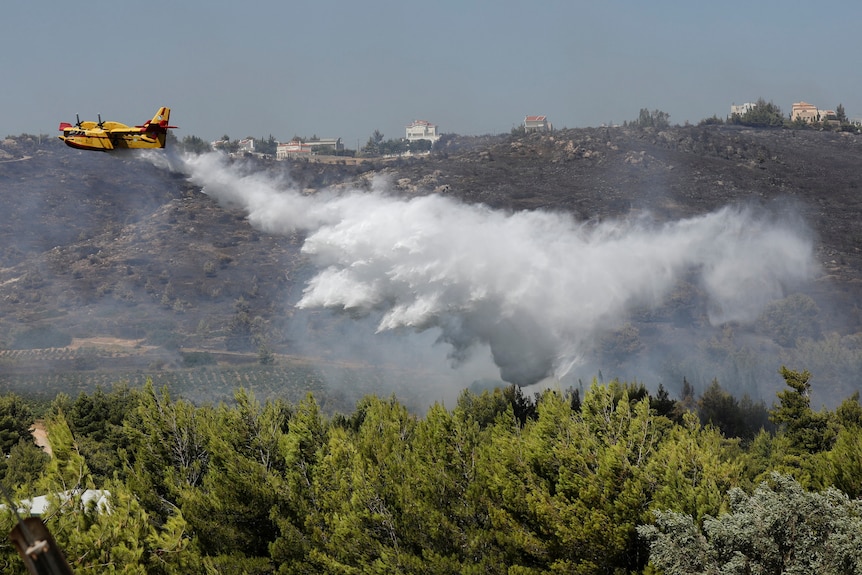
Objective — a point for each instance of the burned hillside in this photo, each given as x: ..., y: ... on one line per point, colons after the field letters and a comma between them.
x: 115, y: 246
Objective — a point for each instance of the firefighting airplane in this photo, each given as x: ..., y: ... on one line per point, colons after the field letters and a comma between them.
x: 107, y: 136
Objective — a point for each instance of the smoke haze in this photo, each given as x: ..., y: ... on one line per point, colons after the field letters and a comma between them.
x: 538, y: 289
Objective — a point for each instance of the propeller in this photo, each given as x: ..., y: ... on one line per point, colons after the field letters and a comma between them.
x: 100, y: 120
x: 77, y: 121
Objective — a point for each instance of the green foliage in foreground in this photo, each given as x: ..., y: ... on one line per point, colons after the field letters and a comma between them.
x: 500, y: 483
x: 779, y: 528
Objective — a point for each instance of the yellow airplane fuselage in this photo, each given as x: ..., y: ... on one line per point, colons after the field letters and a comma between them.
x: 97, y: 139
x: 107, y: 136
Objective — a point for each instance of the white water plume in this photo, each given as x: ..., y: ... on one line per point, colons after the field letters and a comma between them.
x: 537, y: 287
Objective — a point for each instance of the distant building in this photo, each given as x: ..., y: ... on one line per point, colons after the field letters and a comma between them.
x: 537, y: 124
x: 246, y: 145
x: 296, y: 148
x: 422, y: 130
x: 291, y: 149
x: 830, y: 117
x: 805, y: 112
x: 740, y: 110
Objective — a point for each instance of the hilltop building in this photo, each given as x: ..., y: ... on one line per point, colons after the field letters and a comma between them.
x: 537, y: 124
x: 296, y: 148
x: 740, y: 110
x: 805, y: 112
x: 422, y: 130
x: 246, y: 145
x: 810, y: 113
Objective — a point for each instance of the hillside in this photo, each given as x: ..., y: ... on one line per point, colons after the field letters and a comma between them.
x: 121, y: 267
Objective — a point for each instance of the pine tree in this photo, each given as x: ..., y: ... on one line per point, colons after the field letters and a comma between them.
x: 809, y: 432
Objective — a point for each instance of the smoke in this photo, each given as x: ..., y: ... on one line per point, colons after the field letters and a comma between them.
x: 537, y: 288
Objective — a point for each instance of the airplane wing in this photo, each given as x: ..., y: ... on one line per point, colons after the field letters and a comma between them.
x: 118, y: 128
x: 142, y: 133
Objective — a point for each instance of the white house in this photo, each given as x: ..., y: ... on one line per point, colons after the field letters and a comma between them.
x: 537, y: 124
x: 422, y: 130
x: 741, y: 109
x: 296, y: 148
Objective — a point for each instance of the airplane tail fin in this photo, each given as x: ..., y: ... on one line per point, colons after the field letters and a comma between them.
x: 158, y: 127
x: 161, y: 119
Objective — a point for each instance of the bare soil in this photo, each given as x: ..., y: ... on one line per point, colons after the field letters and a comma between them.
x: 40, y: 436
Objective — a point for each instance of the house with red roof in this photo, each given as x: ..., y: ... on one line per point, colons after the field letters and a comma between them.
x: 537, y: 124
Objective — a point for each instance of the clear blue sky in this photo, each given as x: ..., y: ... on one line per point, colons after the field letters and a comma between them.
x: 346, y: 68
